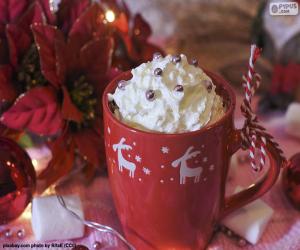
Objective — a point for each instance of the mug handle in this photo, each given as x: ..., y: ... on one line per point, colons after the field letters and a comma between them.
x: 256, y: 190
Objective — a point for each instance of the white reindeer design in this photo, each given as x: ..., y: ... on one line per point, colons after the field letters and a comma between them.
x: 122, y: 162
x: 185, y: 171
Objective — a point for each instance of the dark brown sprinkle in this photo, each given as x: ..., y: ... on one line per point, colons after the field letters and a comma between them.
x: 176, y: 59
x: 156, y: 55
x: 158, y: 72
x: 208, y: 85
x: 194, y: 62
x: 122, y: 84
x: 150, y: 95
x: 178, y: 88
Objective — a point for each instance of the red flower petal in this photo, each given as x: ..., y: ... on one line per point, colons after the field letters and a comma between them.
x: 69, y: 110
x: 37, y: 111
x: 89, y: 25
x: 11, y: 10
x: 7, y: 90
x: 95, y: 58
x: 4, y: 55
x: 46, y: 38
x: 61, y: 163
x: 51, y: 19
x: 141, y: 29
x: 18, y: 41
x: 121, y: 23
x: 107, y: 78
x: 90, y: 145
x: 33, y: 15
x: 69, y: 11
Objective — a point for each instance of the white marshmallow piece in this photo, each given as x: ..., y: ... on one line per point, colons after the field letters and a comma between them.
x: 51, y: 221
x: 250, y: 221
x: 292, y: 119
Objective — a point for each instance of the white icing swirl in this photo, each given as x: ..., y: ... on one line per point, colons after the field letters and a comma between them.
x: 171, y: 111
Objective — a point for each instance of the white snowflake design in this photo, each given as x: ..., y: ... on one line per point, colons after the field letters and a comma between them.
x: 134, y: 143
x: 165, y: 150
x: 146, y: 171
x: 138, y: 158
x: 129, y: 155
x: 211, y: 167
x: 108, y: 130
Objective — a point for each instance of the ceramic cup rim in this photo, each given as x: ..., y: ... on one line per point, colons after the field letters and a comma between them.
x: 126, y: 76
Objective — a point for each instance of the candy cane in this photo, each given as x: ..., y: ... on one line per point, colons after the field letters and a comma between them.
x: 250, y: 133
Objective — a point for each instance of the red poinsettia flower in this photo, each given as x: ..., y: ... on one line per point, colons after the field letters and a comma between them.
x: 16, y: 40
x: 69, y: 103
x: 62, y: 73
x: 16, y: 44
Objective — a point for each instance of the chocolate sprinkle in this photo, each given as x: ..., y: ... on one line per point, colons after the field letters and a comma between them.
x: 157, y: 55
x: 158, y: 72
x: 178, y: 88
x: 122, y: 84
x: 150, y: 95
x: 208, y: 85
x: 194, y: 62
x: 176, y: 59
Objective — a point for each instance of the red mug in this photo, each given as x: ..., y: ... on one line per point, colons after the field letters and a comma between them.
x: 169, y: 189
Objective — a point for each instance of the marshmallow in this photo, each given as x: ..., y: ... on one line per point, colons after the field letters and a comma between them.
x: 51, y: 221
x: 292, y: 119
x: 250, y: 221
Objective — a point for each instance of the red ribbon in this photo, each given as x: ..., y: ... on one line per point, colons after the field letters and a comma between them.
x: 285, y: 79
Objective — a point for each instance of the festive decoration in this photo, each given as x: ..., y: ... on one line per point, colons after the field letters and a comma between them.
x: 254, y: 135
x: 17, y: 180
x: 8, y: 233
x: 248, y: 113
x: 291, y: 181
x: 279, y: 37
x: 54, y: 68
x: 21, y: 233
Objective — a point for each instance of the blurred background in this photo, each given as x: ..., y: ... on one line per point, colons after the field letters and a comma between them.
x: 218, y: 33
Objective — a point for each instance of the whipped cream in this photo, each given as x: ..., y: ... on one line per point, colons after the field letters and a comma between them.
x: 168, y: 95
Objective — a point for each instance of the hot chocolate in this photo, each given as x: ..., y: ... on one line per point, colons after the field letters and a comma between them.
x: 168, y: 95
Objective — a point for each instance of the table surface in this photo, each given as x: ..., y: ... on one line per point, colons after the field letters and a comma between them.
x: 282, y: 233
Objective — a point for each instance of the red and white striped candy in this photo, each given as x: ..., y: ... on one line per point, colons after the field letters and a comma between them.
x: 250, y: 132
